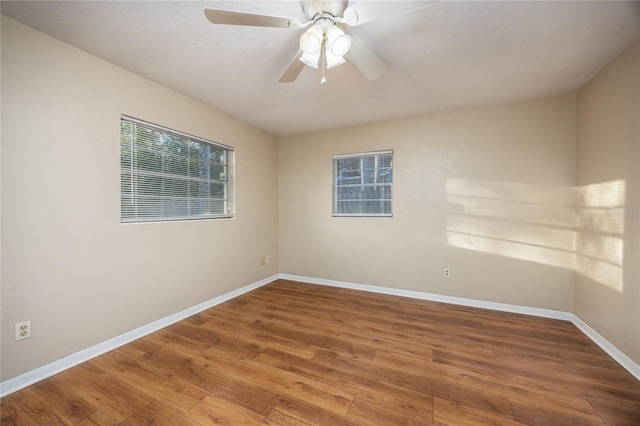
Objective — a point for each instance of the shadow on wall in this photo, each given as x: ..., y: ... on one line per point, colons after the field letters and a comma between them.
x: 572, y: 228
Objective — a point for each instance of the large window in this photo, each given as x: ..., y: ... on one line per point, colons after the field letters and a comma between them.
x: 168, y: 175
x: 362, y: 184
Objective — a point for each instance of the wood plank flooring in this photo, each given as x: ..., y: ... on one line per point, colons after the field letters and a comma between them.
x: 291, y: 353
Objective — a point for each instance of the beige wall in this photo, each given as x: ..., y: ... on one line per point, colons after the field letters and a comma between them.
x: 487, y: 192
x: 607, y: 280
x: 68, y: 265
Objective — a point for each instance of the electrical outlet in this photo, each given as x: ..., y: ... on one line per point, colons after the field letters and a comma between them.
x: 447, y: 272
x: 268, y: 259
x: 23, y: 330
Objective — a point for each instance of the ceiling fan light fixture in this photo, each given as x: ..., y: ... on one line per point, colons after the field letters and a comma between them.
x: 337, y: 41
x: 311, y: 60
x: 311, y: 40
x: 332, y: 60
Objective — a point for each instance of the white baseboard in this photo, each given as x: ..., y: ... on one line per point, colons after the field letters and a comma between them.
x: 615, y: 353
x: 41, y: 373
x: 546, y: 313
x: 627, y: 363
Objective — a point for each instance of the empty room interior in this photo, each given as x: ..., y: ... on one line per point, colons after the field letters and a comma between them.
x: 395, y: 212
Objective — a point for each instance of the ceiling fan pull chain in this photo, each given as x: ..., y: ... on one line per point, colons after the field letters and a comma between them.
x: 324, y: 62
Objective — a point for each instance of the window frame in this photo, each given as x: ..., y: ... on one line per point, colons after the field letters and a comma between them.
x: 226, y: 179
x: 362, y: 155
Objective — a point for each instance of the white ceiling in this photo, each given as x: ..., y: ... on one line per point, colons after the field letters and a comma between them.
x: 451, y: 55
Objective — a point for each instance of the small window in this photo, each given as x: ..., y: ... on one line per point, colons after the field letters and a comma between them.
x: 168, y: 175
x: 362, y: 184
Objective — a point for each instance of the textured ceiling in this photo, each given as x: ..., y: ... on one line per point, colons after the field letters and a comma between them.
x: 451, y: 55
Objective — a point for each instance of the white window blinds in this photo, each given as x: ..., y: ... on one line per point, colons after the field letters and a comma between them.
x: 362, y: 184
x: 169, y: 175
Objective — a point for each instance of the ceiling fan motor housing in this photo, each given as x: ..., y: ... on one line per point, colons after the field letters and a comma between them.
x: 313, y: 8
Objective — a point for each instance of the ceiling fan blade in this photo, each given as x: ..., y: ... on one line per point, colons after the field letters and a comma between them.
x: 366, y: 61
x: 292, y: 71
x: 227, y: 17
x: 367, y: 11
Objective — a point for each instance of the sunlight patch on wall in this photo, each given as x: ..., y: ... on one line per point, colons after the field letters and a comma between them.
x: 515, y: 220
x: 600, y: 209
x: 568, y: 227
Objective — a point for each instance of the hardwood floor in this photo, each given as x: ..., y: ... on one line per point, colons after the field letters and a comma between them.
x: 297, y: 354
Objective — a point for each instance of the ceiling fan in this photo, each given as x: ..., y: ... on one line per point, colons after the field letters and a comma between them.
x: 324, y: 43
